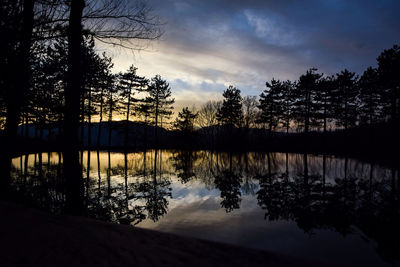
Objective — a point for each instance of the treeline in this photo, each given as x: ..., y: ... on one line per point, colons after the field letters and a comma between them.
x: 104, y: 97
x: 312, y: 103
x: 341, y: 113
x: 315, y: 102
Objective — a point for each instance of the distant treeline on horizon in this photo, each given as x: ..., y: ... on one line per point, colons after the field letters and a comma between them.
x: 312, y: 103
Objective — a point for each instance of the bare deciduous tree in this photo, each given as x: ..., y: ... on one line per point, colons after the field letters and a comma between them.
x: 249, y: 105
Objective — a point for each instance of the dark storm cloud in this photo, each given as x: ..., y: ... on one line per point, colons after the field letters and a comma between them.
x: 248, y: 42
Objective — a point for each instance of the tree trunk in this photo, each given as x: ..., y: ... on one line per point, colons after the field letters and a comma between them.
x: 110, y: 127
x: 156, y: 127
x: 72, y: 170
x: 127, y: 119
x: 101, y: 118
x: 307, y: 112
x: 145, y: 132
x: 89, y: 138
x: 307, y: 122
x: 82, y: 128
x: 20, y: 85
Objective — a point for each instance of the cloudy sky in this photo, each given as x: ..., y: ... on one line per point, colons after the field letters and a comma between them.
x: 210, y: 44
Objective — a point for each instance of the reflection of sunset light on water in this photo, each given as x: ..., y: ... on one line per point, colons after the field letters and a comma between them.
x: 334, y: 165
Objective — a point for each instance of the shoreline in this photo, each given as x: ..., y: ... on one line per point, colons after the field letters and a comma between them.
x: 35, y: 238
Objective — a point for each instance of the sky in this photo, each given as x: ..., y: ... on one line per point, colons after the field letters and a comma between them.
x: 210, y: 44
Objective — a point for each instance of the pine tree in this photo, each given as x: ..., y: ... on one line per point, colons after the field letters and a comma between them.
x: 105, y: 80
x: 159, y: 100
x: 111, y: 105
x: 230, y: 114
x: 370, y: 97
x: 185, y: 120
x: 346, y: 99
x: 304, y: 94
x: 286, y: 104
x: 388, y: 70
x: 270, y: 104
x: 323, y: 101
x: 129, y: 83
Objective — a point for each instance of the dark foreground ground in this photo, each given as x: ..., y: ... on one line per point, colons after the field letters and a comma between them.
x: 30, y: 237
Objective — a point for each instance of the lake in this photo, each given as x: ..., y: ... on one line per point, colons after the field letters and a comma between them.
x: 333, y: 209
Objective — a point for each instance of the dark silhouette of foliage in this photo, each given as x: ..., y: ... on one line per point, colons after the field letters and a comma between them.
x: 324, y: 101
x: 230, y: 113
x: 129, y: 83
x: 346, y: 99
x: 185, y: 120
x: 270, y: 104
x: 159, y: 100
x: 304, y: 95
x: 370, y: 96
x: 286, y: 104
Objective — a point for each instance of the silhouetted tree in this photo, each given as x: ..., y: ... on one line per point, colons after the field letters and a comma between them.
x: 185, y: 120
x: 92, y: 74
x: 16, y: 62
x: 370, y: 96
x: 324, y: 100
x: 143, y: 110
x: 72, y: 170
x: 117, y: 22
x: 230, y: 113
x: 346, y: 99
x: 105, y: 80
x: 304, y: 94
x: 287, y: 104
x: 111, y: 107
x: 159, y: 96
x: 129, y: 83
x: 388, y: 70
x: 270, y: 105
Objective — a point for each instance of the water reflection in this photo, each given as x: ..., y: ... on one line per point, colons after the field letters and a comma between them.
x: 153, y: 188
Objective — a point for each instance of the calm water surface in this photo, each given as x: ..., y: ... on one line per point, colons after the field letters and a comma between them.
x: 337, y: 210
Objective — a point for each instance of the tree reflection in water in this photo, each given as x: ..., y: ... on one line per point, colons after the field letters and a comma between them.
x: 228, y: 182
x: 316, y: 192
